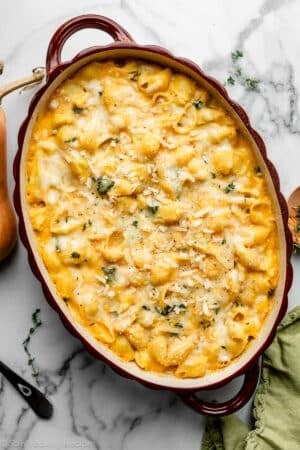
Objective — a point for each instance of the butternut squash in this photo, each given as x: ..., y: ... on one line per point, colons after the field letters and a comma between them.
x: 294, y: 217
x: 8, y: 228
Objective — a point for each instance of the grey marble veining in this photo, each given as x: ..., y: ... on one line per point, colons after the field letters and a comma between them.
x: 94, y: 407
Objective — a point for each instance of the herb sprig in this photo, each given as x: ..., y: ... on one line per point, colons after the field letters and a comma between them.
x: 236, y: 55
x: 36, y: 323
x: 252, y: 84
x: 230, y: 80
x: 237, y: 75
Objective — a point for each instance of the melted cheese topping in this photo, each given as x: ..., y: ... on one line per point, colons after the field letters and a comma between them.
x: 152, y: 217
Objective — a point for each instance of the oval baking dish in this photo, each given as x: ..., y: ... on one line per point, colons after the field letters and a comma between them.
x: 125, y: 47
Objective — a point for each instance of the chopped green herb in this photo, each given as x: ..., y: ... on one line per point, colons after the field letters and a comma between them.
x: 213, y: 175
x: 135, y: 223
x: 182, y: 306
x: 153, y: 209
x: 69, y: 141
x: 297, y: 212
x: 87, y: 224
x: 110, y: 273
x: 134, y: 75
x: 167, y: 309
x: 271, y: 292
x: 57, y: 248
x: 197, y: 104
x: 75, y: 255
x: 36, y: 321
x: 103, y: 184
x: 178, y: 325
x: 146, y: 308
x: 236, y: 55
x: 238, y: 71
x: 205, y: 324
x: 77, y: 110
x: 230, y: 80
x: 100, y: 93
x: 223, y: 241
x: 223, y: 346
x: 237, y: 303
x: 230, y: 187
x: 179, y: 124
x: 257, y: 169
x: 66, y: 299
x: 252, y: 84
x: 116, y: 140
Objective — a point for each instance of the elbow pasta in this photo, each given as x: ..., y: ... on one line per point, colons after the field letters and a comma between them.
x: 152, y: 217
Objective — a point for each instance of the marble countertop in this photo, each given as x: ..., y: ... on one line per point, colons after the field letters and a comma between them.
x: 94, y: 407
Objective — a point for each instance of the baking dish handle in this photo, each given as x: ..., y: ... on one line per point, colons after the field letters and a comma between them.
x: 227, y: 407
x: 79, y: 23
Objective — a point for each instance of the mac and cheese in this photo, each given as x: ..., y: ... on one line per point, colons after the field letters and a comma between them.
x: 152, y: 217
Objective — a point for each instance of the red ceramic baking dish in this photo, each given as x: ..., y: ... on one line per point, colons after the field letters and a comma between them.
x: 125, y: 46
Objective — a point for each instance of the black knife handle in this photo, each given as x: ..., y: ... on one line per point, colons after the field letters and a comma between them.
x: 35, y: 399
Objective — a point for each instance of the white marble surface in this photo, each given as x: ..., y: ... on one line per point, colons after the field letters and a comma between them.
x: 94, y: 407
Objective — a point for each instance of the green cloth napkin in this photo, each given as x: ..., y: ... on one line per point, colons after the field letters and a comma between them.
x: 276, y: 409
